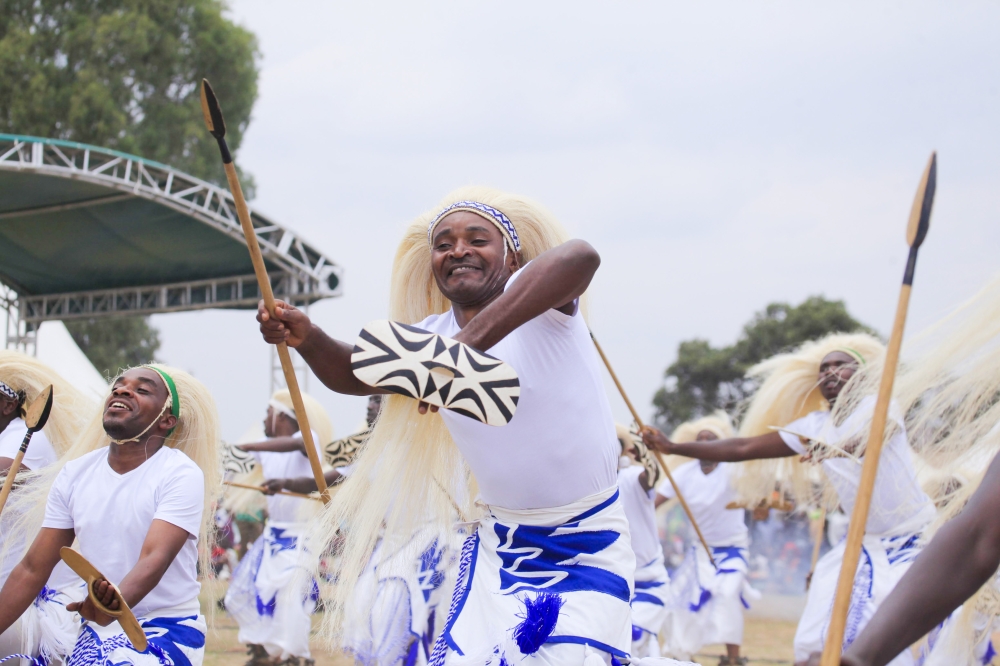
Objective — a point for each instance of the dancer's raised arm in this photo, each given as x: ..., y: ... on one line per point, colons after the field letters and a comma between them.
x: 769, y: 445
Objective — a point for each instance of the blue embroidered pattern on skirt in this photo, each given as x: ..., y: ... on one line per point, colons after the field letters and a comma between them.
x: 163, y: 634
x: 861, y: 596
x: 430, y: 574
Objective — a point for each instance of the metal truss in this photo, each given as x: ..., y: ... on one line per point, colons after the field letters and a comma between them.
x: 235, y: 292
x: 305, y: 276
x: 18, y: 334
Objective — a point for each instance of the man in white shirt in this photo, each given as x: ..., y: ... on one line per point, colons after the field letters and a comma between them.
x: 710, y: 600
x: 548, y: 574
x: 136, y: 506
x: 638, y: 474
x: 272, y: 612
x: 900, y: 509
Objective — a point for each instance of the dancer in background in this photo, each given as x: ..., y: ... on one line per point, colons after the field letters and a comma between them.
x: 22, y: 378
x: 798, y: 391
x: 709, y: 599
x: 136, y: 492
x: 270, y: 600
x: 638, y: 474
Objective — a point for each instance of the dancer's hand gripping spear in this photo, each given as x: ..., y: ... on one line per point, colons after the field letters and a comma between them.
x: 36, y: 417
x: 217, y: 126
x: 916, y: 230
x: 659, y: 456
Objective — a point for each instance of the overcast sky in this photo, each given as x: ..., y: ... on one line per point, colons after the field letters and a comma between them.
x: 720, y: 156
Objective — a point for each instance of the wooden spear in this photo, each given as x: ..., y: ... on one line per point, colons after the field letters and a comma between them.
x: 35, y: 418
x: 659, y: 457
x: 916, y: 230
x: 217, y: 126
x: 817, y: 546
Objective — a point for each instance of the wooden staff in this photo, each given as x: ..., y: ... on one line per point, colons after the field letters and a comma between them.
x: 35, y: 418
x: 262, y: 489
x: 817, y: 546
x: 217, y: 126
x: 916, y: 230
x: 659, y: 457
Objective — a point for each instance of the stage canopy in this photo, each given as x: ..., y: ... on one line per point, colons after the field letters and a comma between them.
x: 89, y: 232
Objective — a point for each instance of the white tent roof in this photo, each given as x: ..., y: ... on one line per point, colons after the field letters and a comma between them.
x: 57, y: 349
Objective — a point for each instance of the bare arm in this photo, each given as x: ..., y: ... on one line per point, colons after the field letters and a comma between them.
x: 162, y: 543
x: 29, y: 576
x: 329, y: 359
x: 723, y: 450
x: 276, y: 445
x: 553, y: 280
x: 958, y: 561
x: 304, y: 485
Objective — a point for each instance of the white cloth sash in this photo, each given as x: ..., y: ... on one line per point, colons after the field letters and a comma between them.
x: 176, y: 637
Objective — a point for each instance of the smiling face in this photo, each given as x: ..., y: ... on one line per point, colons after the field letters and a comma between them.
x: 137, y: 397
x: 467, y: 257
x: 834, y: 372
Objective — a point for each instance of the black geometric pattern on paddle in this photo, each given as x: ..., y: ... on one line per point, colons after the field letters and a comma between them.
x: 646, y: 457
x: 236, y: 461
x: 426, y: 366
x: 341, y: 452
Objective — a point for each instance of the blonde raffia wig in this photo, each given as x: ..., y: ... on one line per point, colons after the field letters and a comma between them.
x: 717, y: 423
x: 948, y: 389
x: 411, y: 456
x: 71, y: 408
x: 319, y: 420
x: 789, y: 389
x: 196, y: 435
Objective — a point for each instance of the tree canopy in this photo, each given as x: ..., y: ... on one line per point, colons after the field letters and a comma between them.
x: 124, y: 74
x: 705, y: 378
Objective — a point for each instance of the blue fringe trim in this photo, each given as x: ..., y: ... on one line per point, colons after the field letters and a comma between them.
x: 540, y: 616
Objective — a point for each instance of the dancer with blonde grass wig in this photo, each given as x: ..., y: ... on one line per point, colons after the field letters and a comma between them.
x: 708, y: 601
x: 948, y: 385
x: 800, y: 394
x: 270, y: 601
x: 652, y: 583
x: 22, y: 378
x: 135, y: 490
x: 498, y: 273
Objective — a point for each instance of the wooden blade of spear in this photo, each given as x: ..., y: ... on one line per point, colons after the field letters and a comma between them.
x: 217, y: 127
x: 659, y: 456
x: 35, y: 418
x: 916, y: 230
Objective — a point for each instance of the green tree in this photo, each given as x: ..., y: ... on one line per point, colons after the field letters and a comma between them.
x: 704, y: 378
x: 124, y: 74
x: 116, y: 343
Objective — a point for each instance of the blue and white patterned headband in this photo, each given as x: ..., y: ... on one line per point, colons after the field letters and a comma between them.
x: 499, y: 220
x: 8, y: 391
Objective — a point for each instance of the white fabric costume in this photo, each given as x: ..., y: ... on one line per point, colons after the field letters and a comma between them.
x: 393, y: 608
x: 549, y: 571
x: 652, y: 584
x: 88, y: 496
x: 271, y: 594
x: 900, y: 510
x: 708, y: 603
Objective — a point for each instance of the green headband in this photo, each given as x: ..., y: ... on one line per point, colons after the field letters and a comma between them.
x: 175, y: 401
x: 853, y: 352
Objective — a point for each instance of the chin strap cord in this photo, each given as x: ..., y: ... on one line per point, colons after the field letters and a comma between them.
x: 166, y: 405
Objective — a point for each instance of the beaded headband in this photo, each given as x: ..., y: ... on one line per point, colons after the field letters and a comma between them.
x: 8, y: 391
x: 489, y: 213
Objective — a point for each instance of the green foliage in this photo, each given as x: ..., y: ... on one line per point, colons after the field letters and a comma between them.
x: 704, y: 378
x: 124, y: 74
x: 115, y: 343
